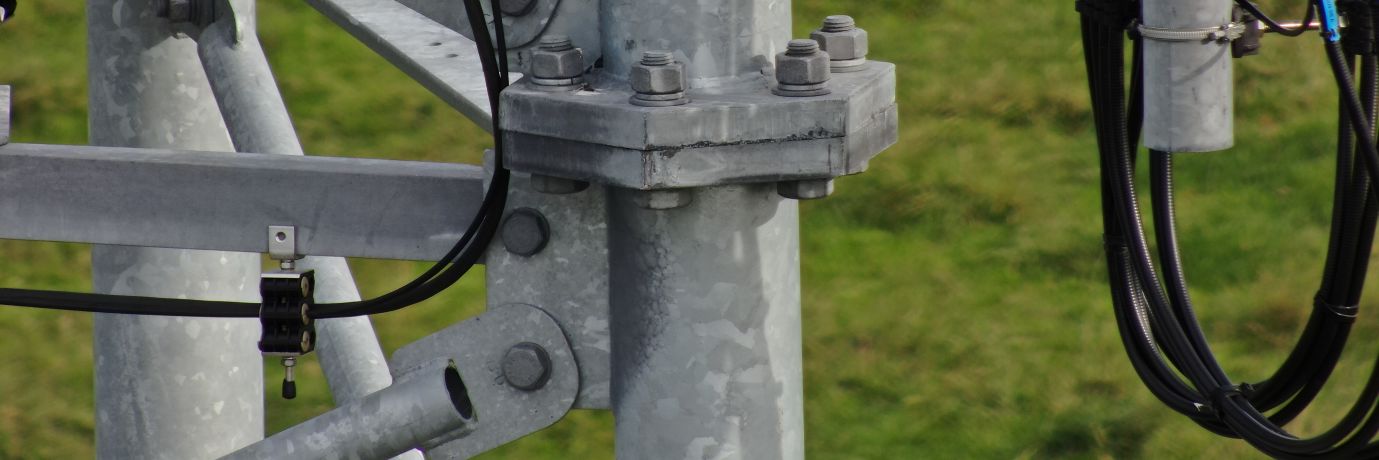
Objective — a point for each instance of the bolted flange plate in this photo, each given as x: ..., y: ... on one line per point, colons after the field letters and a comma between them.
x: 743, y: 134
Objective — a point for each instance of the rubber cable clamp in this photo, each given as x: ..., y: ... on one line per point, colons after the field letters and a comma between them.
x: 285, y: 314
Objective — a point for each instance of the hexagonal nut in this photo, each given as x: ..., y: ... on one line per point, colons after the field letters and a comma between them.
x: 840, y: 46
x: 665, y: 79
x: 802, y: 70
x: 557, y: 64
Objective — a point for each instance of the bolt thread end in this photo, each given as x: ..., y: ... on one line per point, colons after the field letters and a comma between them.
x: 802, y: 47
x: 556, y: 43
x: 657, y: 58
x: 838, y: 23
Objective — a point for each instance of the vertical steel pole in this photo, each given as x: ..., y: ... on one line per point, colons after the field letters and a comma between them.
x: 166, y: 388
x: 705, y: 313
x: 704, y: 297
x: 721, y: 42
x: 1188, y: 91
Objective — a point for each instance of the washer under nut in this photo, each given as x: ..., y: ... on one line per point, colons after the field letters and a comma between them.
x: 659, y: 81
x: 802, y: 70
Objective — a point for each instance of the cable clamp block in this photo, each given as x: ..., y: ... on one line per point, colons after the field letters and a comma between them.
x: 1222, y: 34
x: 288, y: 329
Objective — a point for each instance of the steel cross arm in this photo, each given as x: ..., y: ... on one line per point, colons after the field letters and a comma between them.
x: 441, y: 59
x: 349, y: 207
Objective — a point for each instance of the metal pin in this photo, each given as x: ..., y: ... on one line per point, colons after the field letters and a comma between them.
x: 289, y: 378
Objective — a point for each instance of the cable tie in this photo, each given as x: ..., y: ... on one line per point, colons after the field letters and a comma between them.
x: 1222, y: 34
x: 1345, y: 312
x: 1220, y: 395
x: 1246, y: 389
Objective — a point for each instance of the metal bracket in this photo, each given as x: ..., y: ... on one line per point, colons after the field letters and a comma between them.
x: 441, y: 59
x: 478, y: 347
x: 568, y: 277
x: 282, y: 245
x: 525, y: 21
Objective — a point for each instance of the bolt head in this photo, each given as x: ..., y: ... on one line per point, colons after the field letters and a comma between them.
x: 802, y: 70
x: 846, y: 45
x: 556, y: 65
x: 525, y: 232
x: 661, y: 79
x: 527, y: 367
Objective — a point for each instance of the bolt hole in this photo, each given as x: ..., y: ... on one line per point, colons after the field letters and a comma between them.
x: 281, y: 236
x: 435, y: 43
x: 452, y: 55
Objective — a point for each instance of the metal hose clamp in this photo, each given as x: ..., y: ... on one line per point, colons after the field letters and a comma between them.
x: 1223, y: 33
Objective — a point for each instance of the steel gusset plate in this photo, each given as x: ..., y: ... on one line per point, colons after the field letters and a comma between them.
x: 502, y: 412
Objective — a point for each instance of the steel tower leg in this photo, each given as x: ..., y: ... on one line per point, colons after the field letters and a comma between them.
x: 704, y: 283
x: 166, y: 388
x: 705, y: 309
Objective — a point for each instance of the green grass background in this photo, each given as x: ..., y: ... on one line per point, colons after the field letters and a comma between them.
x: 954, y: 302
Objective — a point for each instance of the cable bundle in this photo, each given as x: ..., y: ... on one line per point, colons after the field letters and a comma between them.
x: 449, y: 269
x: 1158, y: 327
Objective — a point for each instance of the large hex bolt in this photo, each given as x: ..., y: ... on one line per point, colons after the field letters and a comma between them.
x: 845, y: 44
x: 525, y: 232
x: 527, y: 367
x: 659, y: 80
x: 802, y: 70
x: 557, y: 64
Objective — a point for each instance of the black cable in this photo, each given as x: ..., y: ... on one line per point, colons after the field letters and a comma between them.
x: 1142, y: 305
x: 1274, y: 26
x: 1299, y: 379
x: 494, y: 63
x: 1102, y: 42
